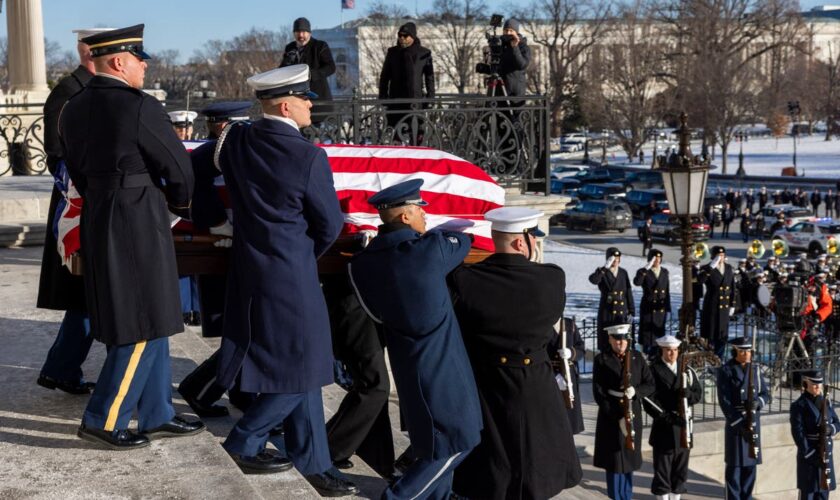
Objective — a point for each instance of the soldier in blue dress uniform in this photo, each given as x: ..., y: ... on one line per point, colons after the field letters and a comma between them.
x: 732, y: 382
x: 806, y: 420
x: 616, y: 305
x: 120, y: 151
x: 656, y: 300
x: 718, y: 301
x: 400, y: 279
x: 276, y: 330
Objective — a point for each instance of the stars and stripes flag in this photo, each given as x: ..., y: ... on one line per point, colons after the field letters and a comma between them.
x: 348, y: 4
x: 456, y: 190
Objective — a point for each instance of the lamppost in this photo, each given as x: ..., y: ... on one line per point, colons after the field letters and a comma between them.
x: 740, y: 135
x: 201, y: 93
x: 586, y: 146
x: 604, y: 147
x: 794, y: 110
x: 656, y: 135
x: 685, y: 177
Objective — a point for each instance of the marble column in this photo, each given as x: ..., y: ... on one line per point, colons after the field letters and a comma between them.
x: 27, y: 58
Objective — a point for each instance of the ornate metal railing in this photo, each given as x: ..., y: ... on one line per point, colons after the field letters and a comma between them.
x: 22, y: 139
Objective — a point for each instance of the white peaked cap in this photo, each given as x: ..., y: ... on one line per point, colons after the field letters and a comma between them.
x: 668, y: 341
x: 278, y: 82
x: 513, y: 219
x: 182, y: 116
x: 618, y: 329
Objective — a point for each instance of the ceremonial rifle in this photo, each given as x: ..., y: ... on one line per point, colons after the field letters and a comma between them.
x: 749, y: 415
x: 822, y: 446
x: 629, y: 431
x: 565, y: 370
x: 684, y: 409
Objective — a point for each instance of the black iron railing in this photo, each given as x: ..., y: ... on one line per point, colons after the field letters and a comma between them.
x: 22, y: 139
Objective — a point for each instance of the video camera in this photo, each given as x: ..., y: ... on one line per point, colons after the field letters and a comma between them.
x: 495, y: 44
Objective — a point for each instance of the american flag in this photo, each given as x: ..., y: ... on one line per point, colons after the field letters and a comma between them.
x: 348, y: 4
x: 455, y: 189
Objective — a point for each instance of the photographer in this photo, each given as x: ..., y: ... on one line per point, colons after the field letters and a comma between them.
x: 515, y: 57
x: 818, y: 308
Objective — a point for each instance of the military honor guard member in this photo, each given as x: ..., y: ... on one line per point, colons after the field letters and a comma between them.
x: 616, y: 306
x: 507, y: 307
x: 656, y: 300
x: 209, y: 213
x: 742, y: 393
x: 813, y: 424
x: 182, y: 122
x: 677, y: 390
x: 278, y: 343
x: 58, y: 288
x: 572, y: 352
x: 718, y: 301
x: 618, y: 385
x: 120, y: 150
x: 400, y: 279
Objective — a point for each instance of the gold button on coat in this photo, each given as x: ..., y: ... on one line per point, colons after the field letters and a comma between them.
x: 527, y: 361
x: 503, y: 360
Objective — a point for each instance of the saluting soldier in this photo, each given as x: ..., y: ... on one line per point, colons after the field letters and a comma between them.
x: 610, y: 392
x: 276, y: 330
x: 740, y: 434
x: 807, y: 425
x: 58, y: 288
x: 672, y: 416
x: 400, y: 278
x: 616, y: 306
x: 120, y: 150
x: 656, y: 300
x: 507, y: 307
x: 719, y: 300
x: 573, y: 351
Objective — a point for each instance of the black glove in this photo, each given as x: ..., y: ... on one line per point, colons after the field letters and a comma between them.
x: 756, y: 404
x: 746, y: 433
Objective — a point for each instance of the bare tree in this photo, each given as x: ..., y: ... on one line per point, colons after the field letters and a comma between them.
x: 460, y: 23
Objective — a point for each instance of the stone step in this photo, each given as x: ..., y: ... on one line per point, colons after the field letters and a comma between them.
x: 25, y: 198
x: 22, y: 233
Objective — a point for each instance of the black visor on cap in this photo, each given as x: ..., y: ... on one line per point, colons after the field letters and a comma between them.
x: 295, y: 89
x: 535, y: 231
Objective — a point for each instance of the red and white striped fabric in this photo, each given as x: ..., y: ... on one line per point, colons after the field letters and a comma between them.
x: 67, y: 235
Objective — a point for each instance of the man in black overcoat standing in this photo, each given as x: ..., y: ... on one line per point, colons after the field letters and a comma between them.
x: 616, y: 306
x: 317, y: 55
x: 58, y: 288
x: 611, y: 394
x: 507, y: 307
x: 656, y: 300
x: 407, y: 69
x: 674, y: 390
x: 129, y: 166
x: 719, y: 300
x: 646, y: 236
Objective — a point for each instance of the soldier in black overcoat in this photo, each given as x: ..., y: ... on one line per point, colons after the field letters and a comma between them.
x: 670, y: 458
x: 574, y: 352
x: 58, y: 288
x: 317, y: 55
x: 616, y: 305
x: 610, y: 392
x: 807, y: 424
x: 732, y: 382
x: 507, y: 307
x: 719, y: 300
x: 129, y: 166
x: 656, y: 300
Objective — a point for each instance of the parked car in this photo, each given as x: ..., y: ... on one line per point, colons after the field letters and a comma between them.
x: 639, y: 200
x: 811, y: 236
x: 571, y: 146
x: 663, y: 228
x: 562, y: 171
x: 792, y: 213
x: 600, y: 174
x: 565, y: 185
x: 644, y: 180
x: 601, y: 191
x: 599, y: 215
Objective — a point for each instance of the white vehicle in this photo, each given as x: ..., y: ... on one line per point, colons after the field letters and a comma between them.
x: 562, y: 171
x: 571, y: 146
x: 792, y: 213
x: 811, y: 236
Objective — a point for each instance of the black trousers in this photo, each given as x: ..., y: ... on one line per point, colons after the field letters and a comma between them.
x: 201, y: 384
x: 724, y: 233
x: 361, y: 425
x: 670, y: 471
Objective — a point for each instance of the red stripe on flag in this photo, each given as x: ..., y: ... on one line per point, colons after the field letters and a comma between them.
x: 352, y: 200
x: 408, y: 166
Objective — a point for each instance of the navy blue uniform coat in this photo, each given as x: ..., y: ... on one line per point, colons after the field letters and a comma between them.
x: 401, y: 279
x: 656, y: 304
x: 732, y: 395
x: 286, y: 215
x: 120, y: 150
x: 805, y: 428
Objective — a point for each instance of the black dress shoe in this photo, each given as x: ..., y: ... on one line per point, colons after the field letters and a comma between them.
x: 330, y: 484
x: 343, y: 464
x: 277, y: 431
x: 175, y: 428
x: 116, y: 440
x: 71, y: 388
x: 204, y: 410
x: 266, y: 462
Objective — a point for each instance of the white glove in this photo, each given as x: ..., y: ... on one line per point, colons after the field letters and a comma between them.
x: 561, y: 382
x: 629, y: 392
x: 716, y: 261
x: 223, y: 243
x: 225, y: 229
x: 367, y: 236
x: 649, y: 264
x: 731, y: 311
x: 565, y: 353
x: 609, y: 262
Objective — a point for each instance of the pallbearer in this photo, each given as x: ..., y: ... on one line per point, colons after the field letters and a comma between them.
x: 813, y: 424
x: 677, y: 390
x: 742, y: 393
x: 616, y: 306
x: 656, y: 300
x: 620, y: 379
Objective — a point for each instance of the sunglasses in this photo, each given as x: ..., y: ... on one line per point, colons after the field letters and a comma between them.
x: 403, y: 35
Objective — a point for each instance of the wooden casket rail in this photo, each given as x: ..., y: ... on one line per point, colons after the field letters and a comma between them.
x: 196, y: 254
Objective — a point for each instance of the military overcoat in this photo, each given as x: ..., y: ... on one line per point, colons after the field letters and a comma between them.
x: 663, y: 405
x: 732, y: 393
x: 655, y: 304
x: 717, y: 299
x: 805, y: 415
x: 616, y: 305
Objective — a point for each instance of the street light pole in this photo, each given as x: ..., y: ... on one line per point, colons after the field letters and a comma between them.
x: 794, y: 110
x: 740, y: 173
x: 604, y: 147
x: 586, y: 146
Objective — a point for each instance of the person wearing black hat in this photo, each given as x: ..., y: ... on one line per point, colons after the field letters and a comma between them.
x: 507, y: 307
x: 610, y: 393
x: 400, y: 279
x: 59, y: 289
x: 514, y: 60
x: 407, y: 69
x: 276, y: 343
x: 616, y: 306
x: 317, y: 55
x: 120, y: 149
x: 646, y: 236
x: 809, y: 424
x: 732, y: 383
x: 656, y: 300
x: 719, y: 301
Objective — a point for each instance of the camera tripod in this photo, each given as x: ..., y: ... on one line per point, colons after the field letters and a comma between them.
x: 495, y: 86
x: 785, y: 354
